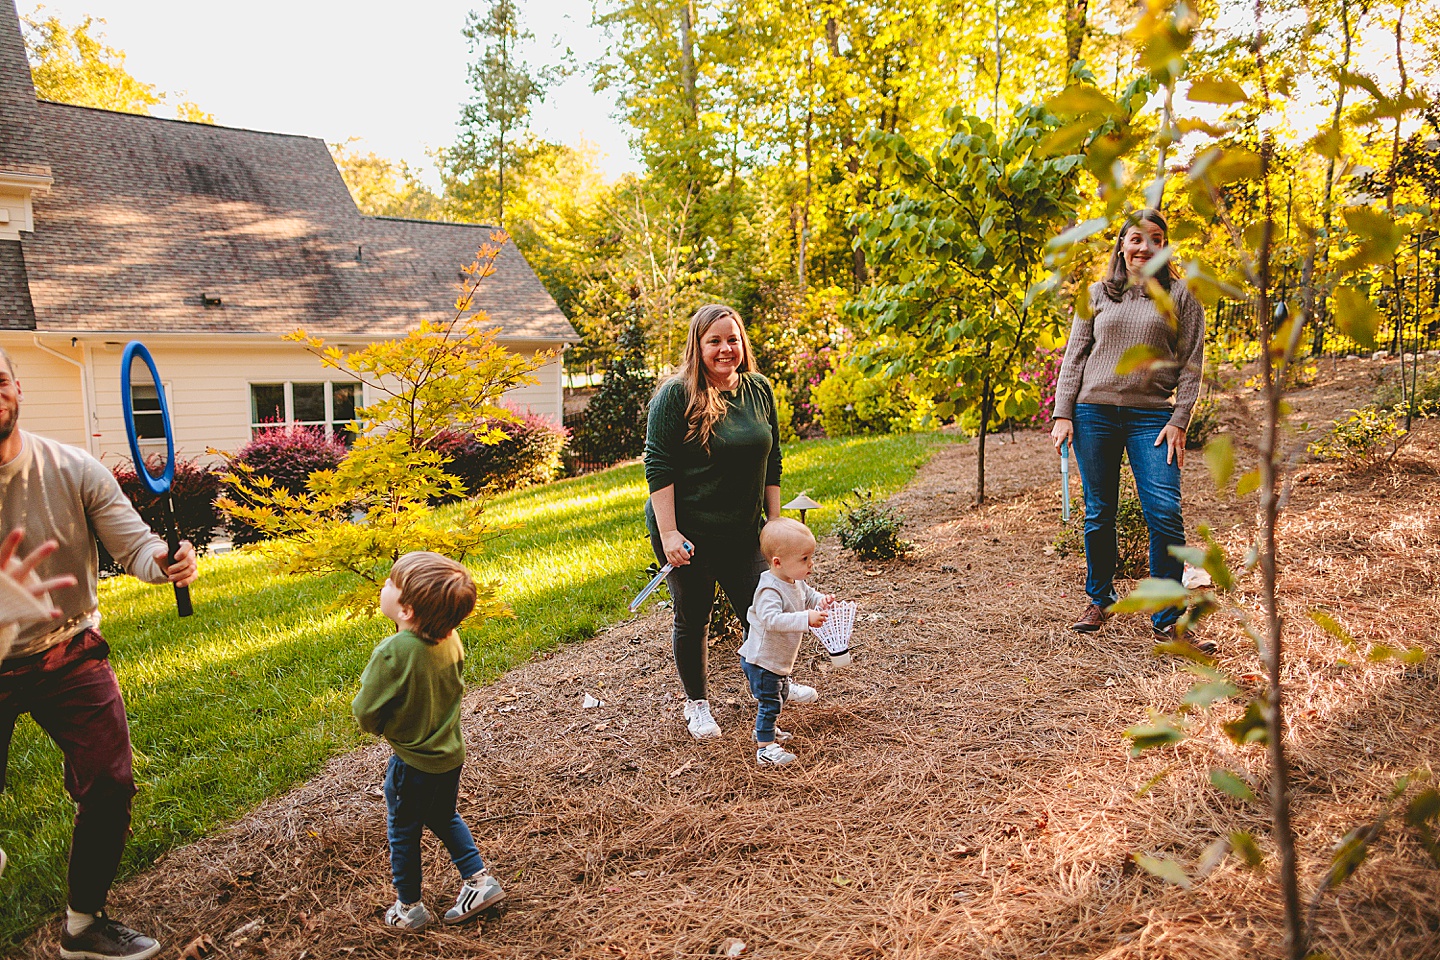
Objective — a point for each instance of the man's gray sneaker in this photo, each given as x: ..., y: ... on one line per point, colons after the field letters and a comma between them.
x: 476, y: 893
x: 413, y: 917
x: 106, y: 940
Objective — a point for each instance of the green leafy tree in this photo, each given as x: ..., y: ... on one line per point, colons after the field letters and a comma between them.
x: 383, y: 188
x: 73, y: 64
x: 505, y: 87
x: 1229, y: 210
x: 357, y: 519
x: 958, y: 249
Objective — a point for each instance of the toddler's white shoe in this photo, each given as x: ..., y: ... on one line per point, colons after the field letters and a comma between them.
x: 412, y: 917
x: 697, y: 717
x: 799, y: 693
x: 773, y: 755
x: 476, y: 893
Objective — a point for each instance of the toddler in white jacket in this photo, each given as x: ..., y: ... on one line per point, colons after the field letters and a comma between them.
x: 784, y: 609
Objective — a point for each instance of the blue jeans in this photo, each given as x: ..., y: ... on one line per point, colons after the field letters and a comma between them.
x: 415, y: 800
x: 771, y: 691
x: 1102, y: 434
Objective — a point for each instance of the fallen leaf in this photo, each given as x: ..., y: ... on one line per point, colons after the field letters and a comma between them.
x: 201, y: 948
x: 682, y: 768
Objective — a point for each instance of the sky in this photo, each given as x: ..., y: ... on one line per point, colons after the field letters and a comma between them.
x: 391, y: 74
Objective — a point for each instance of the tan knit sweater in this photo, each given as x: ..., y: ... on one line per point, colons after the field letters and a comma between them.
x: 56, y: 491
x: 1088, y: 375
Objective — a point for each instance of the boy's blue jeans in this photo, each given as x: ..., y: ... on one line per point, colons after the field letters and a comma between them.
x: 415, y: 800
x: 1102, y: 434
x: 771, y: 691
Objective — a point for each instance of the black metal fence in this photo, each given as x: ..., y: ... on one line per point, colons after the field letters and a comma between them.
x: 1407, y: 302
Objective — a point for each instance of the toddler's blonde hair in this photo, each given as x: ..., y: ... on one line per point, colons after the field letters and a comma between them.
x: 784, y: 533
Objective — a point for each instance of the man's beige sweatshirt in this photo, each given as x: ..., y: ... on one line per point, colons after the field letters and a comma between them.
x: 1096, y: 345
x: 56, y: 491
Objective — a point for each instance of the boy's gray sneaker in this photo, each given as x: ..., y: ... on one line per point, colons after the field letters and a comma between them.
x: 476, y: 893
x: 106, y: 940
x: 412, y: 917
x: 773, y: 755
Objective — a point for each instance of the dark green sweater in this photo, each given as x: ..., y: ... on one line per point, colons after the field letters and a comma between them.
x: 410, y: 695
x: 719, y: 495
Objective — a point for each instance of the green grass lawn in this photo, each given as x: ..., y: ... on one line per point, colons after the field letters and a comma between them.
x: 252, y: 695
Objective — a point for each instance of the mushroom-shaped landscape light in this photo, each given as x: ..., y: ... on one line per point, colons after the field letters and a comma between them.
x: 802, y: 503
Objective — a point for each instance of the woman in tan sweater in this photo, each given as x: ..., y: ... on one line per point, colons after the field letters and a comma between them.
x: 1143, y: 412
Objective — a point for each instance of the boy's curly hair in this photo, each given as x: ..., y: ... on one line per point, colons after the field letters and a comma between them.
x: 439, y: 591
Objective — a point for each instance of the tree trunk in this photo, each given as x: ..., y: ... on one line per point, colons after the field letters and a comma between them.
x: 687, y: 59
x: 1076, y: 14
x: 1321, y: 321
x: 985, y: 402
x: 859, y: 272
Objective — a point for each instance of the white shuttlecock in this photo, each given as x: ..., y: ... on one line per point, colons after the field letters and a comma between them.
x: 835, y: 633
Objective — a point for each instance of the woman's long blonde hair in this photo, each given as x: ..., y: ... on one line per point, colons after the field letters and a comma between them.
x: 707, y: 405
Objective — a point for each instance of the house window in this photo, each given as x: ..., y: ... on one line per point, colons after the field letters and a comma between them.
x: 149, y: 421
x: 323, y: 405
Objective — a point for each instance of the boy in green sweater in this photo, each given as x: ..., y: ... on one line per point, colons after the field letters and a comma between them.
x: 410, y: 695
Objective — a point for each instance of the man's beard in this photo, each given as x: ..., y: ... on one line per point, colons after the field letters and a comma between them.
x: 8, y: 423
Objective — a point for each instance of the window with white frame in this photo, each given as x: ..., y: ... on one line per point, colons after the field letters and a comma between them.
x: 149, y: 420
x: 325, y: 405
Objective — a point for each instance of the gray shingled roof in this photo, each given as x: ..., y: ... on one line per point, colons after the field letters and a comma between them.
x: 147, y: 216
x: 20, y: 150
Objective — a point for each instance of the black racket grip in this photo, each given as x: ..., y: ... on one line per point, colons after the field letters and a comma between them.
x: 172, y: 540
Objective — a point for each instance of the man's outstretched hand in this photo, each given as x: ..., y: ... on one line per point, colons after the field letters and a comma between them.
x: 22, y: 569
x: 186, y: 568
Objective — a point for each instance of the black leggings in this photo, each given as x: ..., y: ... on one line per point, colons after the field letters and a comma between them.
x: 736, y: 567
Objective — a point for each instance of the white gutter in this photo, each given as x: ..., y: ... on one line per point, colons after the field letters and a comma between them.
x: 84, y: 391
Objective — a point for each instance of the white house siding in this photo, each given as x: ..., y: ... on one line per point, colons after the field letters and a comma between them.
x: 207, y: 387
x: 53, y: 405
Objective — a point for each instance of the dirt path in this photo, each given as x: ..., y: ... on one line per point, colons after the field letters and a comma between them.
x: 962, y: 791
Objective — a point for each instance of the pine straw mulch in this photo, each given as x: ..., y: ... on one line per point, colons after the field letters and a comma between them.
x: 962, y: 790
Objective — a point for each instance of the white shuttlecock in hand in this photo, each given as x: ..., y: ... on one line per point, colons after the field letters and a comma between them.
x: 835, y: 633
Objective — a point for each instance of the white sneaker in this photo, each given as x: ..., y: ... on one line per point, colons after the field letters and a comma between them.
x: 697, y: 717
x: 476, y: 893
x: 799, y: 693
x: 773, y: 755
x: 412, y: 917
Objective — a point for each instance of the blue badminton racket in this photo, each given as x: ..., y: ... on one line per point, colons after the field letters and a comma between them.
x: 147, y: 417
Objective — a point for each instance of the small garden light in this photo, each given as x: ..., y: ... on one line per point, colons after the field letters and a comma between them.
x: 801, y: 503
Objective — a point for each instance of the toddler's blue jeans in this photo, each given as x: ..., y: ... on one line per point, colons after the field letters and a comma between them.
x: 415, y: 800
x: 771, y: 691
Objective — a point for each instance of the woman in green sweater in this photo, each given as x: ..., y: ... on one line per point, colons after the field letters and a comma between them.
x: 712, y: 462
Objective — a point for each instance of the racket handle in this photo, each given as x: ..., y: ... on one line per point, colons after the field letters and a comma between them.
x: 172, y: 540
x: 182, y: 601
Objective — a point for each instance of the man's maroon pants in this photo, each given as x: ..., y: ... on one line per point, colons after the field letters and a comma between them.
x: 70, y: 691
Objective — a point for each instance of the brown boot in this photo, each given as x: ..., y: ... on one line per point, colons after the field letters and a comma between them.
x: 1091, y: 620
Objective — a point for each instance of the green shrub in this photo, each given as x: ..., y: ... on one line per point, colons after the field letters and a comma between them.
x: 1427, y: 391
x: 194, y: 491
x: 1204, y: 420
x: 612, y: 427
x: 530, y: 454
x: 872, y: 530
x: 849, y: 402
x: 1370, y: 435
x: 784, y: 412
x: 287, y: 456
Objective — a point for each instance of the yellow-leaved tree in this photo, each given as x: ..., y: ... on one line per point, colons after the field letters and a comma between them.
x: 357, y: 519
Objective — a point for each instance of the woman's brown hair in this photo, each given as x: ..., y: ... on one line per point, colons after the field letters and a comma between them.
x: 706, y: 404
x: 1117, y: 276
